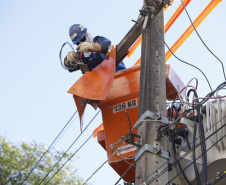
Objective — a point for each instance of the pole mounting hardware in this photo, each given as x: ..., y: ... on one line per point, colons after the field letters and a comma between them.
x: 130, y: 139
x: 151, y: 149
x: 151, y: 115
x: 146, y: 12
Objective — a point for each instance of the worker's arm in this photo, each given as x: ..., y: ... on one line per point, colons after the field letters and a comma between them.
x: 93, y: 47
x: 102, y: 45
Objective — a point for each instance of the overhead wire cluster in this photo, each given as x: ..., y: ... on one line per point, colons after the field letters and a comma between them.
x: 116, y: 146
x: 150, y: 179
x: 194, y: 106
x: 53, y: 143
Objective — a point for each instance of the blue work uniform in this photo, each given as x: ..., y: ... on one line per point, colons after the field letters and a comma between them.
x: 96, y: 58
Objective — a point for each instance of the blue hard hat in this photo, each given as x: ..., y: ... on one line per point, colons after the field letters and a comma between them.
x: 77, y: 32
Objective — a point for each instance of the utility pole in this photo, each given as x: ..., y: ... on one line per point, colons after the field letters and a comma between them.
x: 152, y: 97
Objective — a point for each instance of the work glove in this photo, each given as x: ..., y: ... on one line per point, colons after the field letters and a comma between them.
x: 71, y: 56
x: 71, y: 60
x: 93, y: 47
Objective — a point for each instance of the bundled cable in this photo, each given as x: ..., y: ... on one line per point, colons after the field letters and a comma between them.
x: 182, y: 157
x: 173, y: 140
x: 202, y: 138
x: 194, y: 137
x: 68, y: 149
x: 48, y: 148
x: 195, y: 159
x: 69, y: 158
x: 178, y: 162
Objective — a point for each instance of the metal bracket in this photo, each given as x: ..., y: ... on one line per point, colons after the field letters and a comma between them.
x: 150, y: 148
x: 146, y: 12
x: 149, y: 114
x: 130, y: 139
x: 139, y: 140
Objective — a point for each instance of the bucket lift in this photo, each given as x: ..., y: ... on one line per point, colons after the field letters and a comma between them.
x: 113, y: 93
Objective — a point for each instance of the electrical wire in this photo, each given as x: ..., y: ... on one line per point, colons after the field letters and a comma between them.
x: 221, y: 84
x: 104, y: 162
x: 178, y: 162
x: 69, y: 159
x: 65, y: 130
x: 198, y: 179
x: 128, y: 121
x: 95, y: 172
x: 61, y: 54
x: 194, y: 157
x: 120, y: 168
x: 174, y: 144
x: 162, y: 172
x: 197, y: 158
x: 194, y: 136
x: 202, y: 39
x: 48, y: 148
x: 210, y: 94
x: 181, y: 59
x: 202, y: 138
x: 203, y: 101
x: 125, y: 172
x: 181, y: 157
x: 132, y: 180
x: 113, y: 108
x: 68, y: 148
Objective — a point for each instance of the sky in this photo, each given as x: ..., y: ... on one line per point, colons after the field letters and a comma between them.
x: 34, y: 103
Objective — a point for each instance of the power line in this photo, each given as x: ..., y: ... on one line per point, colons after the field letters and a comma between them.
x: 69, y: 158
x: 197, y: 158
x: 181, y: 59
x: 180, y: 158
x: 132, y: 180
x: 69, y: 148
x: 204, y: 99
x: 96, y: 171
x: 203, y: 41
x: 104, y: 161
x: 48, y: 148
x: 131, y: 165
x: 65, y: 131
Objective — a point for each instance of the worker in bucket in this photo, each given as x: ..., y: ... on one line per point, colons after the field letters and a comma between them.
x: 92, y: 51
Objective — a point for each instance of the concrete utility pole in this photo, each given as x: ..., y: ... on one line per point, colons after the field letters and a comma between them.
x: 152, y: 98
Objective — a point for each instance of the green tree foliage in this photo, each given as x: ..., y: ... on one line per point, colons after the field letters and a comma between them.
x: 17, y: 161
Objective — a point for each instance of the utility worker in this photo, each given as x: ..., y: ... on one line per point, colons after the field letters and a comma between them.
x: 91, y: 51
